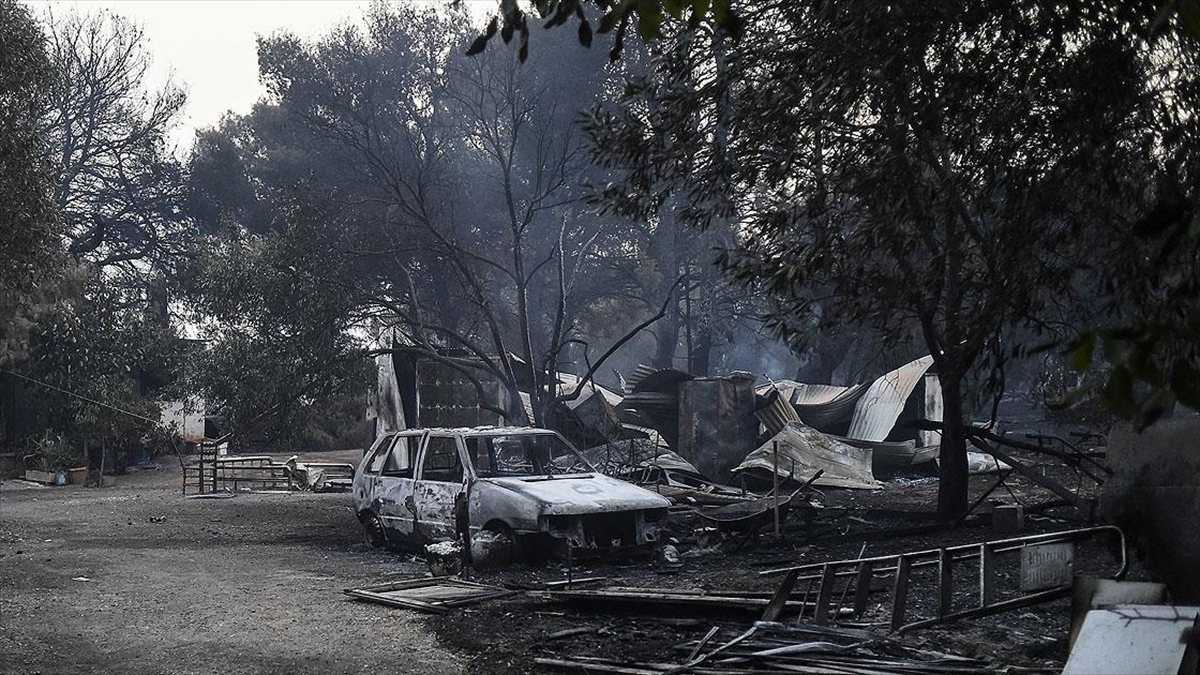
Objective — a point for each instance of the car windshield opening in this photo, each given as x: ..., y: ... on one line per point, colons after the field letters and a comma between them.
x: 524, y: 455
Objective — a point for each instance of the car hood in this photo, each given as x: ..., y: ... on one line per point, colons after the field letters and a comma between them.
x: 580, y: 493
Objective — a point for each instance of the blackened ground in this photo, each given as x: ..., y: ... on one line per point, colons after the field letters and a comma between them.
x: 508, y: 635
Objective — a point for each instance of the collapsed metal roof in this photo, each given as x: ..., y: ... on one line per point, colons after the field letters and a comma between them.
x: 877, y: 411
x: 803, y: 450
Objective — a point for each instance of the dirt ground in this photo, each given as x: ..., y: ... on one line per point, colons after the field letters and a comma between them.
x: 134, y: 578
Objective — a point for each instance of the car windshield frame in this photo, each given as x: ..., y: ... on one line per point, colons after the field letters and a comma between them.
x: 524, y: 455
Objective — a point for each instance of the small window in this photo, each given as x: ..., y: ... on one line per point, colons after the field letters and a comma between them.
x: 400, y: 459
x: 441, y: 460
x: 479, y: 452
x: 376, y: 462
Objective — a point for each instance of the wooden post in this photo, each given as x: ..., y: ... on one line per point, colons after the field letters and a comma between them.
x: 945, y: 582
x: 804, y: 600
x: 987, y: 590
x: 862, y: 588
x: 779, y: 600
x: 900, y: 592
x: 824, y: 594
x: 570, y: 565
x: 775, y: 483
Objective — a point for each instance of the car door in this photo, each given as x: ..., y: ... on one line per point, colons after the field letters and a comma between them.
x: 440, y: 479
x: 365, y: 483
x: 394, y: 481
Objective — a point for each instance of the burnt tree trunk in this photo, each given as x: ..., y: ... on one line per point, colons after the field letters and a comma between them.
x: 952, y: 457
x: 701, y: 357
x: 664, y: 249
x: 668, y: 338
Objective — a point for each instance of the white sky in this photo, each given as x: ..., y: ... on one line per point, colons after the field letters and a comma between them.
x: 208, y: 46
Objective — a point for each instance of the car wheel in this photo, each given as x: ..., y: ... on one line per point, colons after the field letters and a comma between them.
x: 507, y: 546
x: 373, y: 531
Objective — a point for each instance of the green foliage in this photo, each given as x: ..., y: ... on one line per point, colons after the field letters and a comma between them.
x: 1150, y: 369
x: 280, y: 350
x: 28, y: 228
x: 103, y: 344
x: 616, y: 16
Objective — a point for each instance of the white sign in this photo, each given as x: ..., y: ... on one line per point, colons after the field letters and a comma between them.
x: 1047, y: 565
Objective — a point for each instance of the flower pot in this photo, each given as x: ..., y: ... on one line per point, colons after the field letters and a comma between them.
x: 77, y: 476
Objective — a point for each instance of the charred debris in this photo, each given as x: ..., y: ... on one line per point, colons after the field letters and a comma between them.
x: 768, y: 480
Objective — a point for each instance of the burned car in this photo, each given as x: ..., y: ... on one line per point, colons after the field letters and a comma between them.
x: 527, y: 487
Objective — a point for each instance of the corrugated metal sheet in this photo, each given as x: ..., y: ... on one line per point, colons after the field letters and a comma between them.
x: 877, y: 410
x: 820, y: 411
x: 785, y: 386
x: 803, y: 450
x: 818, y: 394
x: 887, y: 457
x: 774, y: 417
x: 569, y: 382
x: 655, y: 397
x: 639, y: 373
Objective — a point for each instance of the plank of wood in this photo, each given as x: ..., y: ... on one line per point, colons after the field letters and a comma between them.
x: 987, y: 575
x: 900, y: 592
x: 782, y: 593
x: 1019, y: 467
x: 592, y: 667
x: 862, y: 588
x: 429, y: 594
x: 401, y: 603
x: 825, y: 594
x: 945, y: 582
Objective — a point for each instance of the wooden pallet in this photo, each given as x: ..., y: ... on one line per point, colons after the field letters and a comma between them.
x: 436, y: 595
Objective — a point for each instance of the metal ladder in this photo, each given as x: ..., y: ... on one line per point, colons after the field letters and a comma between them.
x: 858, y: 573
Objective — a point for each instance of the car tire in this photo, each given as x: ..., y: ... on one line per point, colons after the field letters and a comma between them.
x: 373, y: 531
x: 512, y: 544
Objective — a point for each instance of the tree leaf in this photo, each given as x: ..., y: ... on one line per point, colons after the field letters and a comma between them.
x: 1142, y: 366
x: 1154, y: 408
x: 523, y: 50
x: 674, y: 7
x: 478, y: 45
x: 720, y: 10
x: 1118, y: 393
x: 585, y: 33
x: 1190, y: 11
x: 650, y: 20
x: 618, y: 42
x: 1185, y: 383
x: 610, y: 20
x: 1116, y: 350
x: 1080, y: 350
